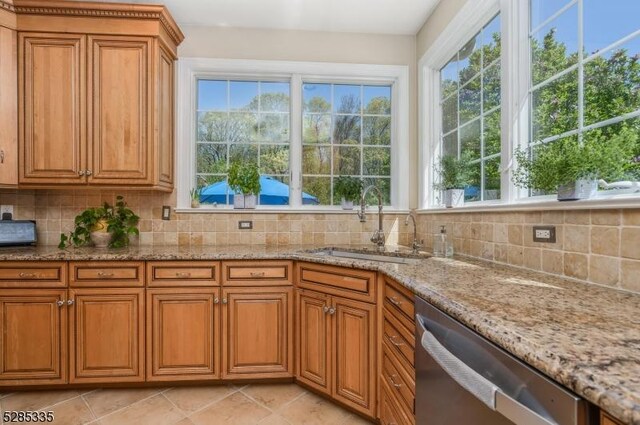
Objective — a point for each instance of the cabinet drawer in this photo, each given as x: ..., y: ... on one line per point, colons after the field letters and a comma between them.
x: 106, y: 273
x: 183, y: 273
x: 400, y: 303
x: 605, y: 419
x: 33, y: 274
x: 400, y: 339
x: 399, y: 380
x: 257, y: 273
x: 391, y: 412
x: 341, y: 281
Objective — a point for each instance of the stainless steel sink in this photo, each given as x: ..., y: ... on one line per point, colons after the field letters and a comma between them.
x: 397, y: 257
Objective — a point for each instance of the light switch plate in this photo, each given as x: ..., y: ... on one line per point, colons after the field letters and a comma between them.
x: 166, y: 212
x: 545, y: 234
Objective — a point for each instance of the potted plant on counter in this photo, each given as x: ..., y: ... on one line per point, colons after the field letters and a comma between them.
x: 105, y: 226
x: 195, y: 193
x: 454, y: 175
x: 244, y: 180
x: 571, y: 168
x: 349, y: 189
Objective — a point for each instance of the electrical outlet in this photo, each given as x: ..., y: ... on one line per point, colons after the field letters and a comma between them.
x: 6, y: 209
x: 545, y: 234
x: 245, y: 225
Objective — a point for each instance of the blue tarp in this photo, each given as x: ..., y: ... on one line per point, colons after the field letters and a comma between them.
x: 272, y: 192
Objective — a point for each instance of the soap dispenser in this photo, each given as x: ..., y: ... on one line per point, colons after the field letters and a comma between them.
x: 442, y: 246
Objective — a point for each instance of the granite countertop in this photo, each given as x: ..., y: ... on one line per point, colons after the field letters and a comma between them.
x: 583, y: 336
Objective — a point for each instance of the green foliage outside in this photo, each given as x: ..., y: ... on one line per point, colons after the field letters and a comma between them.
x: 121, y: 223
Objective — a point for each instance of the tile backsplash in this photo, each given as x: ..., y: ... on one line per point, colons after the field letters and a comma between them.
x: 598, y: 246
x: 54, y: 211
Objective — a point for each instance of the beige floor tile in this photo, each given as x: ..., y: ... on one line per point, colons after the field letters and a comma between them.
x: 156, y: 410
x: 190, y: 399
x: 36, y: 400
x: 273, y: 396
x: 274, y: 419
x: 103, y: 402
x: 72, y: 412
x: 313, y: 410
x: 356, y: 420
x: 185, y: 421
x: 236, y: 409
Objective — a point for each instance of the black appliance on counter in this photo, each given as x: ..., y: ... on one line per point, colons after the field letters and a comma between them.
x: 18, y: 232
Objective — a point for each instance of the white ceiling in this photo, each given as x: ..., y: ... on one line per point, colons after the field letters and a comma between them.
x: 366, y: 16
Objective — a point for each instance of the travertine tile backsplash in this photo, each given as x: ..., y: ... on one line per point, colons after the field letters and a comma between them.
x: 599, y: 246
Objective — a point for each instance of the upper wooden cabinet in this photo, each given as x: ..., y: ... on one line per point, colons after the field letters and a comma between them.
x: 95, y: 90
x: 8, y: 97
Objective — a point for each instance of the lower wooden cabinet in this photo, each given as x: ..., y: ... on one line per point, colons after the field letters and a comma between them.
x: 33, y: 336
x: 257, y: 333
x: 107, y: 335
x: 183, y: 334
x: 346, y: 330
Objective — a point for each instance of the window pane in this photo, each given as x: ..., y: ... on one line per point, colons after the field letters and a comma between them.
x: 470, y: 59
x: 243, y: 95
x: 377, y: 100
x: 384, y: 184
x: 274, y: 159
x: 492, y: 179
x: 318, y: 188
x: 555, y: 107
x: 450, y: 144
x: 377, y: 131
x: 449, y: 78
x: 470, y: 100
x: 541, y: 10
x: 212, y: 126
x: 243, y: 152
x: 316, y: 97
x: 204, y: 180
x: 555, y: 46
x: 612, y: 83
x: 316, y: 128
x: 606, y: 22
x: 346, y: 160
x: 347, y: 99
x: 491, y: 42
x: 472, y: 192
x: 316, y: 160
x: 377, y: 161
x: 211, y: 158
x: 212, y: 95
x: 242, y: 127
x: 491, y: 87
x: 492, y: 133
x: 274, y: 128
x: 274, y: 97
x: 470, y: 139
x: 450, y: 114
x: 347, y: 130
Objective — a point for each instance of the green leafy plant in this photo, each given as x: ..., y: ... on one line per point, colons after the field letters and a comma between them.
x: 244, y: 177
x: 120, y: 221
x: 349, y: 188
x: 195, y: 193
x: 567, y: 160
x: 455, y: 173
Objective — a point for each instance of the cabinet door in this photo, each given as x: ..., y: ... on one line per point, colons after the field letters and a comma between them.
x: 52, y: 104
x: 120, y: 124
x: 182, y: 334
x: 313, y: 348
x: 33, y: 337
x: 354, y: 354
x: 257, y: 340
x: 165, y: 102
x: 8, y: 107
x: 107, y: 335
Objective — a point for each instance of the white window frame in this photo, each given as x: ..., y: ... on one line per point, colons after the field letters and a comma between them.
x: 189, y: 70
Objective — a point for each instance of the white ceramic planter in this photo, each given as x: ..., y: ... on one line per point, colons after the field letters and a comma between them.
x: 246, y: 202
x: 453, y: 198
x: 581, y: 189
x: 101, y: 239
x: 346, y: 205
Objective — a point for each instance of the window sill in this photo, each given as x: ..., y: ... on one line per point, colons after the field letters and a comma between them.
x: 546, y: 204
x: 272, y: 210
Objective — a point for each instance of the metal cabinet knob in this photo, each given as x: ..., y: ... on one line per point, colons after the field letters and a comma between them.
x: 325, y: 309
x: 70, y: 302
x: 224, y: 301
x: 81, y: 173
x: 88, y: 172
x: 216, y: 300
x: 60, y: 303
x: 332, y: 310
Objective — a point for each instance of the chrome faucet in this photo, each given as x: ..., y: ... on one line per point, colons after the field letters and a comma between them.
x: 378, y: 236
x: 416, y: 244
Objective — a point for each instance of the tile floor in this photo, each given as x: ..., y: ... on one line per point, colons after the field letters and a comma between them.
x: 265, y: 404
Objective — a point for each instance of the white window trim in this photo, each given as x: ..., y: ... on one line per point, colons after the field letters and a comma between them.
x: 190, y: 69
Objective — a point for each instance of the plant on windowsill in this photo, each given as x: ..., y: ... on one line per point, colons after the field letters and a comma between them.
x: 572, y: 168
x: 455, y: 175
x: 349, y: 189
x: 195, y: 197
x: 105, y: 226
x: 244, y: 180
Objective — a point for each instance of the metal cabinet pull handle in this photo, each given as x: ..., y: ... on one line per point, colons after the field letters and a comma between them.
x: 392, y: 338
x: 28, y: 275
x: 1, y: 157
x: 103, y: 274
x: 257, y: 274
x: 395, y: 301
x: 70, y: 302
x: 394, y: 382
x: 183, y: 274
x: 60, y: 303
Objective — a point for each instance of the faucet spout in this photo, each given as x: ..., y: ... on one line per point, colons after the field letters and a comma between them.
x: 416, y: 244
x: 378, y: 236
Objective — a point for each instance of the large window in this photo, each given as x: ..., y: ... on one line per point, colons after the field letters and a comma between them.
x: 346, y: 131
x: 585, y: 74
x: 470, y: 105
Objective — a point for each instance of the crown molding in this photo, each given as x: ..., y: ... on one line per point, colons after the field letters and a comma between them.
x: 98, y: 10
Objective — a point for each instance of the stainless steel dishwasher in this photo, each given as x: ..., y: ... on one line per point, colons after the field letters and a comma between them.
x: 464, y: 379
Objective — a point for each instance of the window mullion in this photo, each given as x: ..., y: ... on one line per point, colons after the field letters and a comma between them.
x: 295, y: 140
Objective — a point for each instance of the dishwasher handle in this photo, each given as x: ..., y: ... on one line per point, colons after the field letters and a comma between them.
x: 479, y: 386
